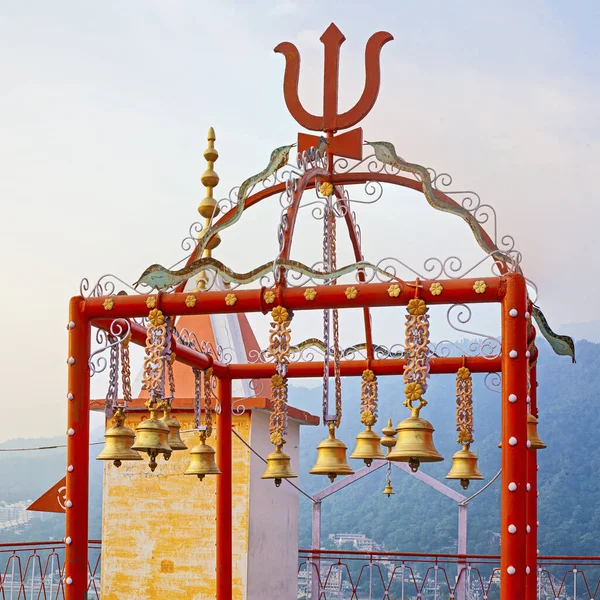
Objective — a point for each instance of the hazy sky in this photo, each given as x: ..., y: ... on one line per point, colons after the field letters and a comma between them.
x: 103, y: 117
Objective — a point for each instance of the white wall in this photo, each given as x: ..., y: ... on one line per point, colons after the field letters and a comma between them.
x: 273, y: 523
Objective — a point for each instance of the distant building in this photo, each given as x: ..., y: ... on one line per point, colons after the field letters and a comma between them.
x: 359, y: 540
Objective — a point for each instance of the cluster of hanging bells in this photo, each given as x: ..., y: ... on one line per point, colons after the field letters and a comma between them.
x: 155, y: 436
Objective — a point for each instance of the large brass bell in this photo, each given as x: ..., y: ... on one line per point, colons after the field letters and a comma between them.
x: 203, y: 460
x: 389, y: 436
x: 278, y: 467
x: 415, y: 443
x: 368, y: 446
x: 174, y: 440
x: 389, y: 490
x: 152, y: 437
x: 464, y: 467
x: 331, y: 457
x: 119, y: 440
x: 532, y: 434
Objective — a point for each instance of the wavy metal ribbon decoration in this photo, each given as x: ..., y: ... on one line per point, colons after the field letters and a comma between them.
x: 386, y: 153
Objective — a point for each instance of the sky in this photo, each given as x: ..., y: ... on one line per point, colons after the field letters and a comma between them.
x: 103, y: 117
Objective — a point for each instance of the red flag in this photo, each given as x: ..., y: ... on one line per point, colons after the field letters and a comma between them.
x: 53, y: 500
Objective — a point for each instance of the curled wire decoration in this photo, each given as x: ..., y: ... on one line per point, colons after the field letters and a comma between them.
x: 190, y: 339
x: 493, y: 382
x: 257, y: 387
x: 460, y: 314
x: 105, y: 286
x: 190, y: 242
x: 119, y: 330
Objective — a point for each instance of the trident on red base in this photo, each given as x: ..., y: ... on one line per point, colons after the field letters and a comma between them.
x: 348, y: 144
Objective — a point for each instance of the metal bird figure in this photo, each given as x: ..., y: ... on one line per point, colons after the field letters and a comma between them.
x: 561, y: 344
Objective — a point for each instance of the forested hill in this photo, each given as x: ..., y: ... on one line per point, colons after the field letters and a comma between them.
x: 415, y: 518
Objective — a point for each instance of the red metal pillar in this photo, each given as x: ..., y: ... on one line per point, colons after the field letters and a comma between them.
x: 224, y: 492
x: 78, y: 437
x: 532, y: 508
x: 513, y: 532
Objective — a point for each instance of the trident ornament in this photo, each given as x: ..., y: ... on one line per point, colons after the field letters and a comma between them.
x: 348, y: 144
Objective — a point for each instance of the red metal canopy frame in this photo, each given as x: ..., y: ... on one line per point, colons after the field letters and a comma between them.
x: 509, y: 289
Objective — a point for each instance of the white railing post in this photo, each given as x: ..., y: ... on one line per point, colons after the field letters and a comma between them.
x: 575, y: 583
x: 316, y: 545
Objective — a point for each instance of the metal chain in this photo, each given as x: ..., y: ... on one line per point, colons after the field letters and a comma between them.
x: 113, y: 381
x: 464, y: 406
x: 336, y: 327
x: 326, y: 267
x: 153, y: 362
x: 126, y: 372
x: 208, y: 401
x: 197, y: 395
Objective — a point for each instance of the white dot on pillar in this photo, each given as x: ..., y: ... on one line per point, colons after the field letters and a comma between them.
x: 527, y: 315
x: 538, y: 550
x: 527, y: 570
x: 512, y: 441
x: 527, y: 354
x: 68, y: 581
x: 513, y: 354
x: 538, y: 523
x: 528, y: 529
x: 70, y: 468
x: 538, y: 495
x: 71, y: 324
x: 528, y: 399
x: 512, y: 486
x: 68, y: 504
x: 512, y: 529
x: 70, y: 396
x: 68, y: 541
x: 528, y: 486
x: 71, y: 360
x: 512, y: 398
x: 511, y: 570
x: 513, y: 312
x: 71, y: 431
x: 528, y: 444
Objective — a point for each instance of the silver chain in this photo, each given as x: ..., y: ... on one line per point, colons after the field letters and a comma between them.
x: 326, y: 312
x: 197, y: 397
x: 125, y: 373
x: 112, y: 395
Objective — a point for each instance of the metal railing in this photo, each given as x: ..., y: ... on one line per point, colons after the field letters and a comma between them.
x: 356, y: 575
x: 34, y: 571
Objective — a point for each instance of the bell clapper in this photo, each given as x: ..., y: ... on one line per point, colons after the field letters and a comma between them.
x: 414, y: 464
x: 464, y: 483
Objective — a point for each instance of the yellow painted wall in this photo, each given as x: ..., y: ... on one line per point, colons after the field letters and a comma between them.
x: 158, y: 530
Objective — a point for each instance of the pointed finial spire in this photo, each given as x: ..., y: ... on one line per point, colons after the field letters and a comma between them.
x: 208, y: 207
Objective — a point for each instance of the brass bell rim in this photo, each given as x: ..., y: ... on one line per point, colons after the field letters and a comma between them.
x: 412, y: 451
x: 278, y: 466
x: 202, y: 452
x: 389, y: 490
x: 467, y: 468
x: 368, y: 446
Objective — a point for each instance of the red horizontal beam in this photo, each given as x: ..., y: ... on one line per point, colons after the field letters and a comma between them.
x: 184, y: 354
x: 333, y: 296
x: 390, y: 366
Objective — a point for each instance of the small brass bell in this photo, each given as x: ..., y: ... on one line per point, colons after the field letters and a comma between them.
x: 152, y: 437
x: 532, y: 434
x: 389, y: 436
x: 174, y: 440
x: 119, y: 440
x: 331, y: 457
x: 203, y: 460
x: 389, y: 490
x: 415, y: 443
x: 464, y: 467
x: 278, y: 467
x: 368, y: 446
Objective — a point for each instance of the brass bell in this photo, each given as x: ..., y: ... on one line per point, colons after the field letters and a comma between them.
x: 174, y: 440
x: 119, y: 440
x: 278, y: 467
x: 203, y: 460
x: 389, y: 490
x: 415, y: 443
x: 152, y: 437
x: 464, y: 467
x: 368, y: 446
x: 331, y: 457
x: 532, y: 434
x: 389, y: 436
